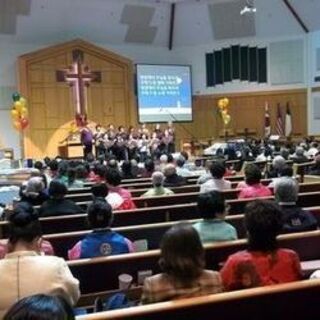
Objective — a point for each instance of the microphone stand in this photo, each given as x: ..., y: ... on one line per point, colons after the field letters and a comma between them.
x: 173, y: 117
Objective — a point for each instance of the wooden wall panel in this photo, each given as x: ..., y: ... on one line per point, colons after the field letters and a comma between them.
x: 247, y: 110
x: 51, y: 103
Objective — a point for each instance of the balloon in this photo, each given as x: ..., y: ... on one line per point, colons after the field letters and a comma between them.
x: 24, y: 112
x: 23, y: 101
x: 17, y: 125
x: 221, y: 104
x: 24, y: 123
x: 226, y: 119
x: 226, y: 101
x: 16, y: 96
x: 18, y: 105
x: 14, y: 113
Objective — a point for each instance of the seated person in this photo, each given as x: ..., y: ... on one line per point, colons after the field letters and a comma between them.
x: 99, y: 191
x: 24, y: 271
x: 98, y: 175
x: 207, y: 175
x: 313, y: 150
x: 295, y: 219
x: 126, y: 170
x: 315, y: 170
x: 217, y: 182
x: 53, y: 166
x: 211, y: 207
x: 286, y: 172
x: 182, y: 261
x: 40, y: 307
x: 73, y: 182
x: 278, y: 163
x: 148, y: 169
x: 171, y: 177
x: 182, y: 171
x: 58, y: 205
x: 158, y: 189
x: 119, y: 198
x: 102, y: 241
x: 45, y: 246
x: 263, y: 263
x: 253, y: 188
x: 46, y: 179
x: 299, y: 156
x: 34, y: 192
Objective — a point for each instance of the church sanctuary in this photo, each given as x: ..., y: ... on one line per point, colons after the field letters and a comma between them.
x: 159, y: 159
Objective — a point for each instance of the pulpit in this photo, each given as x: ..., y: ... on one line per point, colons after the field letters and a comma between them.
x: 71, y: 150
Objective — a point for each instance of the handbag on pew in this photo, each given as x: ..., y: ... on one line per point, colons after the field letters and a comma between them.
x: 119, y: 300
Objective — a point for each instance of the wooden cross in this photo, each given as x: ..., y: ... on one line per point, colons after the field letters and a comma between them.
x: 79, y: 78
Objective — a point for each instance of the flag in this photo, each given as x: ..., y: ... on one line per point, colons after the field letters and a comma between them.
x: 267, y: 123
x: 288, y: 119
x: 279, y: 123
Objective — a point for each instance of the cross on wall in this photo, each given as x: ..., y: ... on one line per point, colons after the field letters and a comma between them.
x: 79, y: 77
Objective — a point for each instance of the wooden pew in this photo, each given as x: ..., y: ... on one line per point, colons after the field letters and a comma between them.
x: 182, y: 195
x: 153, y: 233
x: 296, y: 300
x: 147, y: 215
x: 138, y: 183
x: 101, y: 274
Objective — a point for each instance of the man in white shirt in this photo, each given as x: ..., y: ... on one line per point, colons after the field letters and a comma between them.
x: 217, y: 182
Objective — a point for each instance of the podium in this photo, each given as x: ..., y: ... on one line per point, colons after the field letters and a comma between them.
x: 71, y: 150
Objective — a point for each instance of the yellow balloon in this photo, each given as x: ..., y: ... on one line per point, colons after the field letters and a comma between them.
x: 23, y: 101
x: 18, y: 105
x: 24, y: 112
x: 227, y: 119
x: 14, y: 113
x: 17, y: 125
x: 220, y: 104
x: 226, y: 101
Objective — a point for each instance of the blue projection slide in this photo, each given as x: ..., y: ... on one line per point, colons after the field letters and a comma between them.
x: 164, y: 93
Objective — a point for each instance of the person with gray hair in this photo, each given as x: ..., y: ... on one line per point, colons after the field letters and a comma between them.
x: 34, y: 192
x: 278, y: 163
x: 299, y: 156
x: 295, y: 219
x: 171, y: 177
x: 158, y: 189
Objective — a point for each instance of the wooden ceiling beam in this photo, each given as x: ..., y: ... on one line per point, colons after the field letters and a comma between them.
x: 296, y: 15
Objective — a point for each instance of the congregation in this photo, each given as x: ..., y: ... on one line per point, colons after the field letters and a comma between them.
x: 184, y: 272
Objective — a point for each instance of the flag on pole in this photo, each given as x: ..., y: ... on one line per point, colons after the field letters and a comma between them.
x: 267, y: 123
x: 288, y: 126
x: 279, y: 123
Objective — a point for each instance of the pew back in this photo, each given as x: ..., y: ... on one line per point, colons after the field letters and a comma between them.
x: 296, y: 300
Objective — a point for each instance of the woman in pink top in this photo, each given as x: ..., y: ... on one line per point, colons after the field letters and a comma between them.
x: 123, y: 196
x: 254, y: 188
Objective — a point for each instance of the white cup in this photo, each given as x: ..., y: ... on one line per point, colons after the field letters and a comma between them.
x: 125, y: 281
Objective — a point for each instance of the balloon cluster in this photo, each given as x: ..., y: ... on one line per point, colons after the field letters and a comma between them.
x: 19, y: 112
x: 223, y: 105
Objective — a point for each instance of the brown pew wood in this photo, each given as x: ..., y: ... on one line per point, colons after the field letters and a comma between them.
x: 101, y: 274
x: 153, y: 233
x: 175, y: 212
x: 296, y: 300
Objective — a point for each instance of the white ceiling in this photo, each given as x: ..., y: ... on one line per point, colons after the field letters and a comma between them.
x: 99, y: 21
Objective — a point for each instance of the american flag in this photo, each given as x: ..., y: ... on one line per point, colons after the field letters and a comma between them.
x: 279, y: 123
